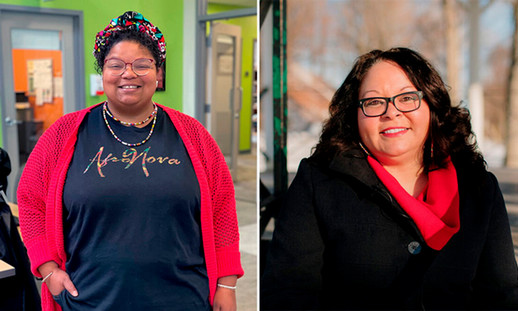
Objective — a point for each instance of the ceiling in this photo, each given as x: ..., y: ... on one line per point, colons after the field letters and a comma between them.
x: 245, y: 3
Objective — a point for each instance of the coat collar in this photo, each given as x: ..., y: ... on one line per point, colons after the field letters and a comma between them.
x: 353, y: 164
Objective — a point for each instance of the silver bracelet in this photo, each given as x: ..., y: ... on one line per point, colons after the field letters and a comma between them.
x: 227, y: 287
x: 45, y: 278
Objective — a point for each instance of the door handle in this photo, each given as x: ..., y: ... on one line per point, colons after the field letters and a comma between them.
x: 240, y: 101
x: 236, y: 107
x: 11, y: 122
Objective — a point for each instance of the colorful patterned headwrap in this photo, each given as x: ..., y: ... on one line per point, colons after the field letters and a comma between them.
x: 132, y: 21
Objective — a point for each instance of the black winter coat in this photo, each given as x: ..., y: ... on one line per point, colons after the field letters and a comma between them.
x: 342, y: 242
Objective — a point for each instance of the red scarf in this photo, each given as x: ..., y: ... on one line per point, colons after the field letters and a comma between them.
x: 436, y: 210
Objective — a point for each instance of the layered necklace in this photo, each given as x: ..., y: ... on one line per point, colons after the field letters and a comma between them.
x: 152, y: 115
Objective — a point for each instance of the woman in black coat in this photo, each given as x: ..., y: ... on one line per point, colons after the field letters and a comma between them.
x: 395, y: 209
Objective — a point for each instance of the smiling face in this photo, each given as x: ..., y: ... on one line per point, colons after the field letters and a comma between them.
x: 129, y: 91
x: 394, y: 137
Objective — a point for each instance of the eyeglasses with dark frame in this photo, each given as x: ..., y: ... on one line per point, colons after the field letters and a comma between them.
x: 140, y: 66
x: 378, y: 106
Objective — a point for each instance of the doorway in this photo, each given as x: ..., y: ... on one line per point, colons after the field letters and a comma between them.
x: 224, y: 89
x: 42, y: 77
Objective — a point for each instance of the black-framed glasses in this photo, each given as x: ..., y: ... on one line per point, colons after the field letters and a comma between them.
x: 404, y: 102
x: 140, y: 66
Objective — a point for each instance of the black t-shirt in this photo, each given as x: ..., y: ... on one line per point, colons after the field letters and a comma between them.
x: 132, y: 220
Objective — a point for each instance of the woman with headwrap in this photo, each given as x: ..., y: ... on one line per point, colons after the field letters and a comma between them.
x: 129, y: 205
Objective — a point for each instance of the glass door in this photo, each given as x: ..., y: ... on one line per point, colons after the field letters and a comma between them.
x: 40, y: 80
x: 225, y: 89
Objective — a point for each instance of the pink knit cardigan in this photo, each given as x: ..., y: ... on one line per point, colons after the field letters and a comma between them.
x: 40, y: 193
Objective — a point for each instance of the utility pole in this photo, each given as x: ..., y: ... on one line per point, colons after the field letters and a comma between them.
x: 280, y: 97
x: 451, y: 12
x: 511, y: 137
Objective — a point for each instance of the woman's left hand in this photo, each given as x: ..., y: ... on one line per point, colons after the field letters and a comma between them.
x: 225, y: 298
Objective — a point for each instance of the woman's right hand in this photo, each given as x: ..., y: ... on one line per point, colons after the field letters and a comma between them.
x: 58, y: 281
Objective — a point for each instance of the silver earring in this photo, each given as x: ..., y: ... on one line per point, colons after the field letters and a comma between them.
x: 157, y: 83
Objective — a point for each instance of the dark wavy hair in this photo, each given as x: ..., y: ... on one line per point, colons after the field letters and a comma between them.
x: 450, y: 127
x: 127, y: 35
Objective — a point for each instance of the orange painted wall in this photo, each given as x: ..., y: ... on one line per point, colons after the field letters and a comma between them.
x: 48, y: 112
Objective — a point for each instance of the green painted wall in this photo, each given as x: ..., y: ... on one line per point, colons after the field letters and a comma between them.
x: 21, y: 2
x: 249, y: 34
x: 166, y: 14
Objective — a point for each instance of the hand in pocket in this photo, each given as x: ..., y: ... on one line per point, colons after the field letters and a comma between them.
x: 60, y: 281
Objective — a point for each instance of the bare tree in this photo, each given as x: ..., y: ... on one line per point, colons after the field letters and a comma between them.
x: 373, y: 24
x: 495, y: 93
x: 306, y: 30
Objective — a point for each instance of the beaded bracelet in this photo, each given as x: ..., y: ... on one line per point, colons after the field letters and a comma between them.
x: 228, y: 287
